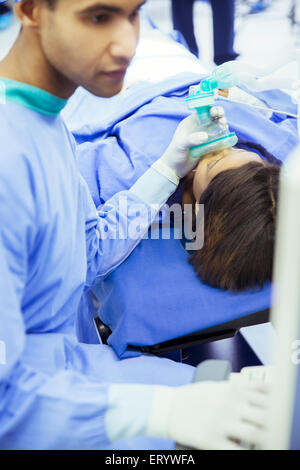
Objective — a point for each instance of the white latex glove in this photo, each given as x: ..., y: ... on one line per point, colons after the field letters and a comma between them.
x: 187, y: 135
x: 210, y: 415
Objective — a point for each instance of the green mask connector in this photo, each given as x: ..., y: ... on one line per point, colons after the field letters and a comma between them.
x: 219, y: 136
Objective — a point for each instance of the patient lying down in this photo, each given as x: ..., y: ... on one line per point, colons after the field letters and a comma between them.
x: 239, y: 191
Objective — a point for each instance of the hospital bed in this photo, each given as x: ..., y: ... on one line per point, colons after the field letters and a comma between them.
x: 145, y: 306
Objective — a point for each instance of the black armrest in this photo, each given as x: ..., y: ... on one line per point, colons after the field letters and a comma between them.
x: 222, y: 331
x: 103, y: 331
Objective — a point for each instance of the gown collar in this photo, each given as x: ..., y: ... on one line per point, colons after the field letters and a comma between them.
x: 31, y: 97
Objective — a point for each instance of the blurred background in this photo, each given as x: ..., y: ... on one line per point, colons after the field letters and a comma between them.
x: 264, y: 29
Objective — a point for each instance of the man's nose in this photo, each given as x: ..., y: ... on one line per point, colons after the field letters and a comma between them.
x: 124, y: 45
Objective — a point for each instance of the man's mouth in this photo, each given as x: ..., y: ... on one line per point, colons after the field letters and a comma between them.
x: 118, y: 74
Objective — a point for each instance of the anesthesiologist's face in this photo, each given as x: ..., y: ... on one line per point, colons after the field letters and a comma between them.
x: 214, y: 163
x: 91, y: 42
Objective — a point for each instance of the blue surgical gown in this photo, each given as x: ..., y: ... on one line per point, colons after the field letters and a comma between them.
x: 54, y: 390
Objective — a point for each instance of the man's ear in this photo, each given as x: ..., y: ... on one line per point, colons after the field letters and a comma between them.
x: 27, y: 11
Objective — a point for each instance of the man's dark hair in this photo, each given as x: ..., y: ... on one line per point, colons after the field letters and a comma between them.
x: 240, y: 208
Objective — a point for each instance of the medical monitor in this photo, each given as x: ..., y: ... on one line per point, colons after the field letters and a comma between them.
x: 284, y: 419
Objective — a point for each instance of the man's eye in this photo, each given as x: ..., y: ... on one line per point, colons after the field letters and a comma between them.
x: 135, y: 14
x: 100, y: 19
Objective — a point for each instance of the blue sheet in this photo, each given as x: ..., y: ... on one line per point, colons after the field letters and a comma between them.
x: 122, y: 136
x: 155, y: 296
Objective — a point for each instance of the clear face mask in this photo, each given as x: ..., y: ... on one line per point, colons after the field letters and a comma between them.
x: 219, y: 136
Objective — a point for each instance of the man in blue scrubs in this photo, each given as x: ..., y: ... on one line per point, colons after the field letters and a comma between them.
x: 54, y: 391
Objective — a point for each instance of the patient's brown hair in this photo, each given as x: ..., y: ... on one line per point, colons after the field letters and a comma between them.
x: 240, y: 207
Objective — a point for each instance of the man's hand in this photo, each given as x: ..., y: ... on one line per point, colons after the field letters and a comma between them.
x: 187, y: 135
x: 212, y: 415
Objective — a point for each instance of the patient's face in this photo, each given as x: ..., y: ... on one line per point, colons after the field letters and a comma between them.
x: 214, y: 163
